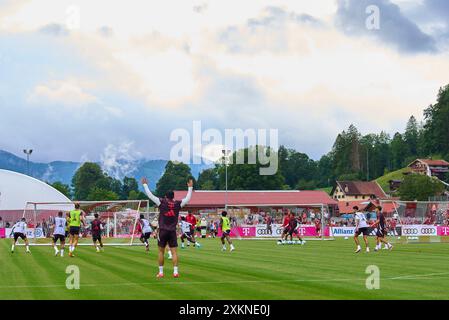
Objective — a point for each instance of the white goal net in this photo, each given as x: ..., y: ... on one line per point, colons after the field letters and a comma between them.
x: 119, y: 219
x: 418, y: 221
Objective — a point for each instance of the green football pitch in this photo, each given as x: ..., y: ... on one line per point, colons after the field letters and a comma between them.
x: 256, y: 270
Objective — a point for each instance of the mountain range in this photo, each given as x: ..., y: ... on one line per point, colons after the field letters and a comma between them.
x: 63, y: 171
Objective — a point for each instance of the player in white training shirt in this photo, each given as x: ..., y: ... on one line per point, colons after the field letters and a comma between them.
x: 186, y: 229
x: 59, y: 233
x: 361, y: 227
x: 146, y: 231
x: 19, y: 231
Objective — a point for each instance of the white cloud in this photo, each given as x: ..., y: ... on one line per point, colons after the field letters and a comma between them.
x: 308, y: 82
x: 65, y: 93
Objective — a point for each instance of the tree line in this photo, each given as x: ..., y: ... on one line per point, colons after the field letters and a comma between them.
x: 353, y: 156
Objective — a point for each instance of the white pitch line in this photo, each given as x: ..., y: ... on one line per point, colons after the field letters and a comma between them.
x: 417, y: 276
x: 408, y: 277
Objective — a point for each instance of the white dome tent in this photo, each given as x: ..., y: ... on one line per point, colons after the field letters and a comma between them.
x: 17, y: 189
x: 19, y: 193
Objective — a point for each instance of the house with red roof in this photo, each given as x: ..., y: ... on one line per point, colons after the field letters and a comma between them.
x: 429, y: 167
x: 346, y: 207
x: 357, y: 191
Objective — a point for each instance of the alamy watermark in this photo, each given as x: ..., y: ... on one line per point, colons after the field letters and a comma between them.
x: 72, y: 282
x: 193, y: 147
x: 373, y: 280
x: 372, y: 22
x: 73, y: 17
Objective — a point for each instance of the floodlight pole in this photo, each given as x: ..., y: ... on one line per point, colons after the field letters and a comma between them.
x: 28, y: 153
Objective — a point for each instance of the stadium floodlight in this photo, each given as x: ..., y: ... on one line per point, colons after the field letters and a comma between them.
x: 28, y: 153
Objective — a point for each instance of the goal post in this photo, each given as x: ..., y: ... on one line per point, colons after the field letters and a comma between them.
x: 119, y: 219
x: 418, y: 221
x: 250, y: 221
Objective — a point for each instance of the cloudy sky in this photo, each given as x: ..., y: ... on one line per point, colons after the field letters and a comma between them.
x: 81, y: 78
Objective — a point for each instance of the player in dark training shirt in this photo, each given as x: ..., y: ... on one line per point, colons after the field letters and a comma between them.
x: 285, y: 226
x: 293, y: 225
x: 381, y: 233
x: 168, y: 221
x: 97, y: 227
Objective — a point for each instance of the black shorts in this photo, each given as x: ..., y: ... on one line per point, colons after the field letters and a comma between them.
x: 59, y: 237
x: 292, y: 232
x: 226, y: 233
x: 145, y: 236
x: 66, y: 234
x: 165, y: 237
x: 74, y: 231
x: 381, y: 233
x: 187, y: 235
x: 286, y: 230
x: 96, y: 237
x: 364, y: 231
x: 18, y: 235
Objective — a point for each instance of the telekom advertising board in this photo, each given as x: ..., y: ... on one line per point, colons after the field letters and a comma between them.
x: 243, y: 231
x: 309, y: 231
x: 443, y: 230
x: 275, y: 232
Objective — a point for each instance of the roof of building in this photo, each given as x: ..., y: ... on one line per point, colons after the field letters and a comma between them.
x: 345, y: 207
x: 431, y: 162
x: 361, y: 188
x: 256, y: 198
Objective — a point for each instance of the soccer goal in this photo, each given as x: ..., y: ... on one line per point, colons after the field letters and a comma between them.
x: 417, y: 221
x: 119, y: 219
x: 252, y: 225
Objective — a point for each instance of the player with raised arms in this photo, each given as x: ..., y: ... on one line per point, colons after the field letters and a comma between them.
x: 59, y: 233
x: 225, y: 225
x: 75, y: 219
x: 19, y: 231
x: 168, y: 221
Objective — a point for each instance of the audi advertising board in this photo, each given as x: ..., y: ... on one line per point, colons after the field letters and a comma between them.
x: 419, y: 230
x: 262, y: 230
